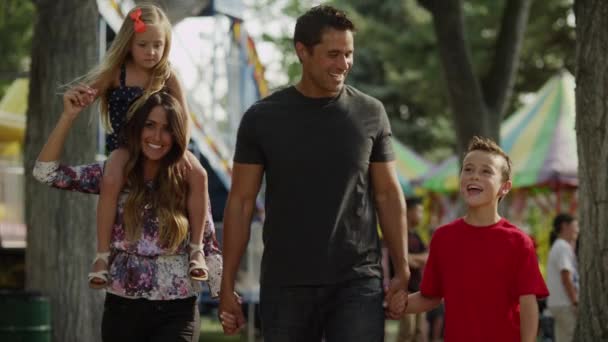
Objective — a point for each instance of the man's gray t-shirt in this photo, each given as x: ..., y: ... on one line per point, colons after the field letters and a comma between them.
x: 320, y: 226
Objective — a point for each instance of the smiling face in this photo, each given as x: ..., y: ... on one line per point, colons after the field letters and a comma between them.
x: 325, y: 65
x: 482, y: 181
x: 156, y: 135
x: 148, y: 47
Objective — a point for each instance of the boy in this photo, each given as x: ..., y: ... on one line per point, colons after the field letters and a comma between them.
x: 482, y: 266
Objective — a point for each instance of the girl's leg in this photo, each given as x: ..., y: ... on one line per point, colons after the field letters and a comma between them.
x: 198, y: 201
x: 111, y: 184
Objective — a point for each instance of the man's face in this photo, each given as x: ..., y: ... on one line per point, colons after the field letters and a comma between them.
x: 326, y: 65
x: 414, y: 216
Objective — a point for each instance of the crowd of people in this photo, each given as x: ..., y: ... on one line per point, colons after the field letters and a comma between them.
x: 324, y: 150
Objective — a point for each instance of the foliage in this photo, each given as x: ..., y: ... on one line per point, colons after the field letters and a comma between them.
x: 396, y: 59
x: 16, y: 24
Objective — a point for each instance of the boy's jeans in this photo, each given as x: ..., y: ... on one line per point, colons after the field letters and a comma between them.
x: 350, y: 311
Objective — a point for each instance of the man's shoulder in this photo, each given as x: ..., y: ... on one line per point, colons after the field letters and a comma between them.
x: 359, y: 96
x: 278, y: 97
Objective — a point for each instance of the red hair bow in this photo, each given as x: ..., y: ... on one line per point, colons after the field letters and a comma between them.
x: 139, y: 25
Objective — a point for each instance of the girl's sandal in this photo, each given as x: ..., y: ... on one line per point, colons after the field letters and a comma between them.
x: 95, y: 277
x: 196, y: 265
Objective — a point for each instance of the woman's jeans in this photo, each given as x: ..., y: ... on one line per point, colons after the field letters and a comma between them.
x: 136, y: 320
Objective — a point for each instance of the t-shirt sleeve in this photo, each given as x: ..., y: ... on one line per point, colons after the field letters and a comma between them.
x: 431, y: 285
x: 382, y: 151
x: 528, y: 278
x: 564, y: 262
x: 248, y: 149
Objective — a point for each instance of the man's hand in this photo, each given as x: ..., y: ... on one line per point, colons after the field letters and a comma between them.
x: 231, y: 313
x: 395, y: 298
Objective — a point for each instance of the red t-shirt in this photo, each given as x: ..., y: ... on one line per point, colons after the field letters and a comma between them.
x: 481, y: 272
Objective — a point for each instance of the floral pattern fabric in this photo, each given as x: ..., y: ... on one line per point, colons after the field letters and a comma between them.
x: 143, y: 268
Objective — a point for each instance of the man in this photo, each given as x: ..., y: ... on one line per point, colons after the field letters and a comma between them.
x: 413, y: 327
x: 562, y: 277
x: 326, y: 152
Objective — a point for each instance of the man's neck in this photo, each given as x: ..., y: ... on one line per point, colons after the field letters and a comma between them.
x: 307, y: 89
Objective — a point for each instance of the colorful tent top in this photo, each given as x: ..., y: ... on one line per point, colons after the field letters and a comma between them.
x: 540, y: 139
x: 409, y: 165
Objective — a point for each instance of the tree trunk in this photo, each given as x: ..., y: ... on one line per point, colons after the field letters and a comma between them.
x: 592, y: 140
x: 61, y: 225
x: 477, y: 109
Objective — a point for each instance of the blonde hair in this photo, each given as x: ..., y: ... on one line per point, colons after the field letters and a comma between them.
x: 103, y: 74
x: 168, y: 195
x: 478, y: 143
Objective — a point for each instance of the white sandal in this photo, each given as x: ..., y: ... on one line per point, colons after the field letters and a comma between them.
x: 100, y: 275
x: 197, y: 265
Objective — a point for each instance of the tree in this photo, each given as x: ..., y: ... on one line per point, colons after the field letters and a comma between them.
x: 592, y: 141
x: 15, y: 39
x: 478, y: 105
x: 61, y: 240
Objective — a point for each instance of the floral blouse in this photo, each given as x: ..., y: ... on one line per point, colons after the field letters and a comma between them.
x: 142, y: 268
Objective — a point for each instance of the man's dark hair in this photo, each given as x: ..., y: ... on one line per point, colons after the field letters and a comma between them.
x: 411, y: 202
x: 310, y: 25
x: 558, y: 221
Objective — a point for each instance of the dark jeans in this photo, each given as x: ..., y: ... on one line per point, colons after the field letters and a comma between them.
x: 142, y: 320
x: 351, y: 311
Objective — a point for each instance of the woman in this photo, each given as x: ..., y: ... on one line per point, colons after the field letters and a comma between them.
x: 150, y: 296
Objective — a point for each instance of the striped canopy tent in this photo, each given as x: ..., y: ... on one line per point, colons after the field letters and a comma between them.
x: 540, y: 139
x: 410, y: 166
x: 12, y: 118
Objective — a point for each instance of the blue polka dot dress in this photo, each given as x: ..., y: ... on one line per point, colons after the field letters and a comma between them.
x: 119, y: 100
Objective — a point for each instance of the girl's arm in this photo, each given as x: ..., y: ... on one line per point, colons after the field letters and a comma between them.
x: 528, y: 317
x: 417, y: 303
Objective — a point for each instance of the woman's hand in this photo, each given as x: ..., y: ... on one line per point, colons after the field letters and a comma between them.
x: 76, y: 99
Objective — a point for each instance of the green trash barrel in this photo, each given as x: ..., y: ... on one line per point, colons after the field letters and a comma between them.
x: 25, y: 316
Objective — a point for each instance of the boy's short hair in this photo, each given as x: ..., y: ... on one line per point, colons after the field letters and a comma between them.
x: 311, y: 25
x: 478, y: 143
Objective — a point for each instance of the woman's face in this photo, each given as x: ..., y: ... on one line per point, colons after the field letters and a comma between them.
x: 156, y: 135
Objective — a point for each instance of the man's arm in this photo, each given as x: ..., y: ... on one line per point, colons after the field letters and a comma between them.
x: 390, y: 206
x: 246, y: 181
x: 528, y: 317
x: 566, y: 278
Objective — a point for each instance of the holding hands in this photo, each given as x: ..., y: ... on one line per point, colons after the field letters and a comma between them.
x: 231, y: 313
x: 395, y: 299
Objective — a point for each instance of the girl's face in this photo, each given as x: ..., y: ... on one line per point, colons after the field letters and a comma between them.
x: 147, y: 47
x: 156, y: 135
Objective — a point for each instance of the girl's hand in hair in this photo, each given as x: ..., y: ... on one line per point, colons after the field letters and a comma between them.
x: 76, y: 99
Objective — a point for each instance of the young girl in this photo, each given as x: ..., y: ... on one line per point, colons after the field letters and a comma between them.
x: 135, y: 66
x: 149, y: 296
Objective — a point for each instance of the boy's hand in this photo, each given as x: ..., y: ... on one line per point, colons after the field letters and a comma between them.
x: 76, y: 99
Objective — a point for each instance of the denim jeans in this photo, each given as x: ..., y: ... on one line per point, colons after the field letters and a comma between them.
x: 346, y: 312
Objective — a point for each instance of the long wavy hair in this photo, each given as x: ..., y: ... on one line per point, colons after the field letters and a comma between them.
x: 167, y: 196
x: 119, y: 52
